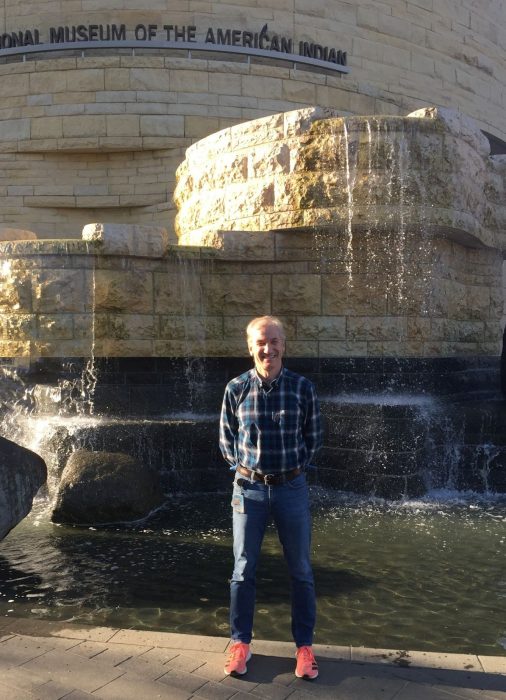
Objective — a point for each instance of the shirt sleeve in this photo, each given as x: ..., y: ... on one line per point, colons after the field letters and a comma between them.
x: 228, y: 428
x: 312, y: 431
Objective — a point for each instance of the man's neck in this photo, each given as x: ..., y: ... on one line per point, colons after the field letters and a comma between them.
x: 268, y: 379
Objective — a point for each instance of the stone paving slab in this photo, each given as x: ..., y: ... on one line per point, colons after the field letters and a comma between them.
x: 493, y: 664
x: 171, y: 640
x: 417, y: 658
x: 58, y: 629
x: 60, y: 661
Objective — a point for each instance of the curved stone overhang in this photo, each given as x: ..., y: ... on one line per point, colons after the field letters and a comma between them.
x: 311, y: 168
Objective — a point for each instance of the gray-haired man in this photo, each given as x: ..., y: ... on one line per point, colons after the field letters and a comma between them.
x: 269, y: 433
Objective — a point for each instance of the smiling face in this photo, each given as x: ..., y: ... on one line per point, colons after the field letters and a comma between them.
x: 266, y: 344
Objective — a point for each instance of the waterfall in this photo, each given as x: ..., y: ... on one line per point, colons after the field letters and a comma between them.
x: 351, y: 154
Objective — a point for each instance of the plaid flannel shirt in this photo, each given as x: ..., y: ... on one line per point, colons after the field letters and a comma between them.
x: 270, y: 428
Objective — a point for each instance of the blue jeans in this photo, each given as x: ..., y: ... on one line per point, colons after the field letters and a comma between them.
x: 288, y: 504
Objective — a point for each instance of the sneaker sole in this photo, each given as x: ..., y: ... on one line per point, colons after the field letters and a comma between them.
x: 238, y: 673
x: 306, y: 677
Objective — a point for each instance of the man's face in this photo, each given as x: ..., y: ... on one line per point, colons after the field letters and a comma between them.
x: 267, y: 346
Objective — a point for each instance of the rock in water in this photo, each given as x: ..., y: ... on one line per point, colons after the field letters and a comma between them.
x: 22, y: 473
x: 105, y: 487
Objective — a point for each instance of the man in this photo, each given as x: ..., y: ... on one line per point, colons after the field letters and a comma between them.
x: 269, y: 433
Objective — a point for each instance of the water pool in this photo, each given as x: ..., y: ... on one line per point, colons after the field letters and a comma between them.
x: 428, y: 575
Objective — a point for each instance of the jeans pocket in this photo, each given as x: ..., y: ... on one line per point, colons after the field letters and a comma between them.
x: 298, y: 483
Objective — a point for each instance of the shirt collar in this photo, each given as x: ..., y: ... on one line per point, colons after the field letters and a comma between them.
x: 268, y: 386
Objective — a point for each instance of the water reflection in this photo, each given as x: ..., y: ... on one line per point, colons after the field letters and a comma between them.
x: 425, y: 574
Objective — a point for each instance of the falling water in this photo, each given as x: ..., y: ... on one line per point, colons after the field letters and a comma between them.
x: 372, y: 225
x: 89, y: 376
x: 351, y: 156
x: 402, y: 160
x: 194, y: 336
x: 35, y: 414
x: 77, y: 394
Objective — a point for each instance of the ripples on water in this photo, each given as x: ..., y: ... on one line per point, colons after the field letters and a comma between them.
x: 425, y: 574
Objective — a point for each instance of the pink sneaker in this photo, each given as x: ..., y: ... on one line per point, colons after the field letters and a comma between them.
x: 238, y: 654
x: 306, y: 663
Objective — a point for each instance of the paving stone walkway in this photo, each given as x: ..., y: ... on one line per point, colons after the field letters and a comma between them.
x: 52, y: 660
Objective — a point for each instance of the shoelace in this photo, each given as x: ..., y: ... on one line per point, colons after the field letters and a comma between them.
x: 307, y: 656
x: 237, y: 651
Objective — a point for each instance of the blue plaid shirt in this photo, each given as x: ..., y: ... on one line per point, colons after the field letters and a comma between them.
x: 270, y: 428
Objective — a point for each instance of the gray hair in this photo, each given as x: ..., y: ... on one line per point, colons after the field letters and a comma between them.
x: 274, y: 320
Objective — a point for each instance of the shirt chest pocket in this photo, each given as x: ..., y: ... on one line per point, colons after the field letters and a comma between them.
x: 278, y: 418
x: 288, y: 421
x: 256, y: 428
x: 264, y: 420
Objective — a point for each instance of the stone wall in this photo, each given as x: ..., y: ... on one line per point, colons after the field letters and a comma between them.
x: 77, y: 299
x: 87, y: 137
x: 370, y: 237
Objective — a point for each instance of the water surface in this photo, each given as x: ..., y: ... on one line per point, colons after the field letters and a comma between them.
x: 428, y: 575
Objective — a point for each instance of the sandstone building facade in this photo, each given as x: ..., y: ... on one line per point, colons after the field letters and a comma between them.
x: 93, y: 127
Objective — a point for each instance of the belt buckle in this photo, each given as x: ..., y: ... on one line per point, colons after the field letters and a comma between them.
x: 269, y: 479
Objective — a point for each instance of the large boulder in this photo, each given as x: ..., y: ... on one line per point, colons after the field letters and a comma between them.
x: 105, y: 487
x: 22, y: 473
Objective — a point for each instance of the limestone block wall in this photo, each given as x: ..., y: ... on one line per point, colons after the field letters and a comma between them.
x: 88, y: 139
x: 110, y: 296
x: 97, y: 135
x: 369, y: 237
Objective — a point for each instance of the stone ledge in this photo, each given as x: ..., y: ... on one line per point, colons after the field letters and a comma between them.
x: 128, y: 239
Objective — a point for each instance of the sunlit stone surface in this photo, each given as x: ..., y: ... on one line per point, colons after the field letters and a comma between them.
x: 369, y: 236
x: 312, y: 168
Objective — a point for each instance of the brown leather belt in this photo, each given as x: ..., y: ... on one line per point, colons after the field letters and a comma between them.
x: 269, y: 479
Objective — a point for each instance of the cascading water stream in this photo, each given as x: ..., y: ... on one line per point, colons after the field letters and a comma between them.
x: 369, y: 240
x: 77, y: 395
x: 35, y: 415
x: 89, y: 375
x: 351, y: 155
x: 193, y: 327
